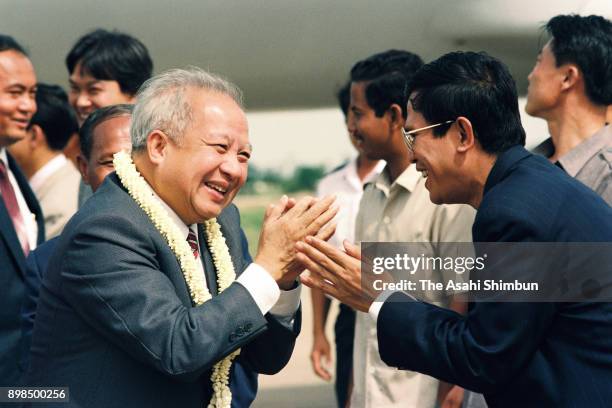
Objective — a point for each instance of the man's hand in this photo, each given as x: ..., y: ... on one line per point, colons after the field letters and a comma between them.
x: 287, y: 223
x: 320, y: 356
x: 335, y: 272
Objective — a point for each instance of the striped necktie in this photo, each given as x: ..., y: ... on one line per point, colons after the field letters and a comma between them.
x: 192, y: 240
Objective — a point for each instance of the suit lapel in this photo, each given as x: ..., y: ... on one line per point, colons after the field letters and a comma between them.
x: 207, y: 261
x: 10, y: 237
x: 29, y: 197
x: 6, y: 225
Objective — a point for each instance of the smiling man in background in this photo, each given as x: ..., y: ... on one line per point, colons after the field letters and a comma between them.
x: 395, y: 207
x: 105, y: 68
x: 21, y: 220
x: 53, y: 178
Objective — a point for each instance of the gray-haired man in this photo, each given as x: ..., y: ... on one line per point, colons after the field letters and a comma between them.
x: 123, y: 318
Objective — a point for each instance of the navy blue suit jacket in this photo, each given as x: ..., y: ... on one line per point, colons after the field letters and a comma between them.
x: 12, y: 287
x: 516, y: 354
x: 243, y: 381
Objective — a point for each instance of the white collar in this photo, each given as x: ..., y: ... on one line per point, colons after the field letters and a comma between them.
x: 53, y: 165
x: 350, y: 173
x: 176, y: 219
x: 4, y: 157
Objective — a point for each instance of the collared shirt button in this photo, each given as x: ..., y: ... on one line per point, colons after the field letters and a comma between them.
x: 387, y: 219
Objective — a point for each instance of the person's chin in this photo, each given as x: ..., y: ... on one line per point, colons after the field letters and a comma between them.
x: 14, y: 136
x: 434, y: 197
x: 210, y: 210
x: 530, y: 108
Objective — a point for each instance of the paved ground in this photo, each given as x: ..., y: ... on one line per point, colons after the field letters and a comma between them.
x: 297, y: 386
x: 304, y: 396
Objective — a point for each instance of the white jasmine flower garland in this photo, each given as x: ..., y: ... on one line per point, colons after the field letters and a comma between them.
x: 141, y: 192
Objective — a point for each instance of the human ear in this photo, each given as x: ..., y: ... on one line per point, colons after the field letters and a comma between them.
x: 157, y: 143
x: 466, y: 134
x: 83, y: 167
x: 36, y: 137
x: 571, y: 76
x: 396, y: 115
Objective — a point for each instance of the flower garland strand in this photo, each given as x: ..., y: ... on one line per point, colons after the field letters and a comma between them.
x: 143, y: 194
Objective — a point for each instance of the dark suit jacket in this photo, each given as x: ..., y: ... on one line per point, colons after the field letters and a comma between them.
x: 243, y: 381
x: 13, y: 264
x: 36, y: 266
x: 115, y: 321
x: 517, y: 354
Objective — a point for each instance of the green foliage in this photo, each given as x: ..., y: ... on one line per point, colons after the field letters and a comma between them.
x: 251, y: 220
x: 304, y: 178
x: 264, y: 187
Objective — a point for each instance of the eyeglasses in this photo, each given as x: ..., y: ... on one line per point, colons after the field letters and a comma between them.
x: 410, y: 136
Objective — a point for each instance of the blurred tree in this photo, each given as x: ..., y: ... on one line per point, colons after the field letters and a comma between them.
x: 304, y: 178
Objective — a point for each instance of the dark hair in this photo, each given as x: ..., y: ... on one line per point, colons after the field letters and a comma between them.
x: 344, y: 98
x: 96, y: 118
x: 476, y: 86
x: 112, y: 56
x: 586, y: 42
x: 54, y: 115
x: 387, y: 74
x: 8, y: 43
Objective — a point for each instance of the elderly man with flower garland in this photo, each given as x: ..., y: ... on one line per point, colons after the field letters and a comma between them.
x: 148, y: 298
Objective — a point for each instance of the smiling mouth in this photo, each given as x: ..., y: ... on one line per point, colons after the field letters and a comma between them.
x: 83, y: 115
x: 423, y: 172
x: 358, y: 139
x: 22, y: 122
x: 219, y: 189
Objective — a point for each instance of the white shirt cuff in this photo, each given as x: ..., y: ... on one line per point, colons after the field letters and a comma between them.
x: 375, y: 307
x: 288, y: 302
x: 261, y: 286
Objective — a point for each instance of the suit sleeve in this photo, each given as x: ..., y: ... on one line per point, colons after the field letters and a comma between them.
x: 479, y: 351
x: 270, y: 351
x: 112, y: 278
x: 33, y: 278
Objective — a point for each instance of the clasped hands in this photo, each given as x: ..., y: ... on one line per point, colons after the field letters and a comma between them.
x: 286, y: 223
x: 293, y: 238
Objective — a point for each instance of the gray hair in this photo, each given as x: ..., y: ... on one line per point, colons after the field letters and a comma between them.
x: 161, y: 102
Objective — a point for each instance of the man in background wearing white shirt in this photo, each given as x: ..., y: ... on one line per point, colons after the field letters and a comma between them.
x: 396, y: 207
x: 346, y: 182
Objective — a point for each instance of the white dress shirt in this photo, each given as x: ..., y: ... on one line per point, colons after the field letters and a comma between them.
x: 29, y: 218
x: 348, y: 189
x: 53, y: 165
x: 260, y: 285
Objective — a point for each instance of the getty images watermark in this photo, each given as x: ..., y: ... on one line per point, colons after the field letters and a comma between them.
x: 491, y: 271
